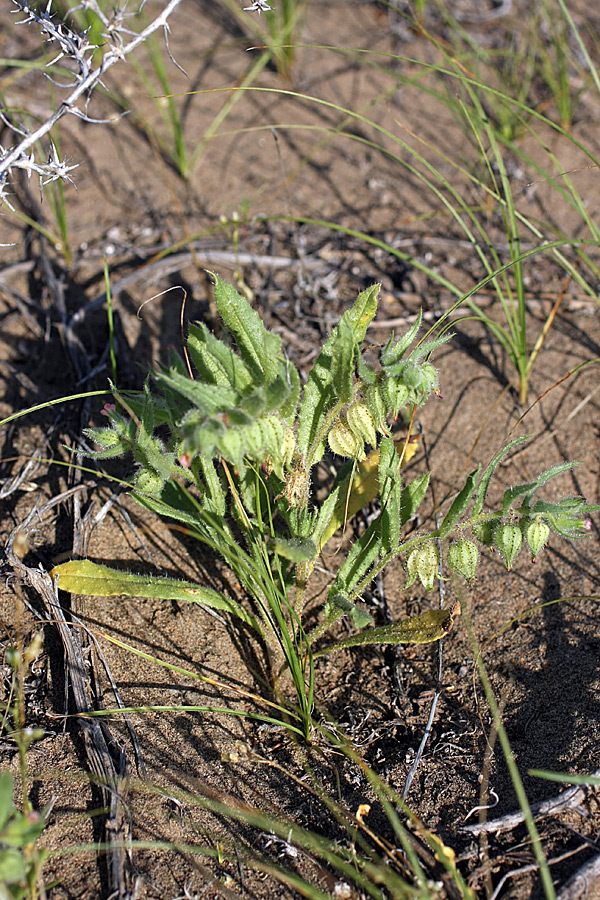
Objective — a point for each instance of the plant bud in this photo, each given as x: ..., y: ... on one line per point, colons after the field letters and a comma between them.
x: 463, y: 557
x: 106, y: 437
x: 343, y: 442
x: 431, y: 377
x: 536, y: 535
x: 507, y: 541
x: 484, y: 532
x: 147, y: 481
x: 395, y: 394
x: 360, y: 422
x: 423, y: 562
x: 412, y: 376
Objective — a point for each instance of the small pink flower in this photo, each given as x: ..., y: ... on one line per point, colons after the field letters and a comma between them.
x: 108, y: 408
x: 185, y: 460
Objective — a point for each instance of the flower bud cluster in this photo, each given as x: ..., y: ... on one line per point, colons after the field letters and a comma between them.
x: 267, y: 440
x: 569, y: 518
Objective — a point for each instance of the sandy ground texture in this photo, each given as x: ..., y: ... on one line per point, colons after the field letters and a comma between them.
x: 277, y: 156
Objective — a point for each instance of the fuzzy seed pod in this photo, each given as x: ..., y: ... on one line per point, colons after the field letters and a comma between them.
x: 463, y: 557
x: 507, y: 541
x: 536, y: 535
x: 344, y: 442
x: 288, y: 446
x: 395, y: 394
x: 361, y: 424
x: 374, y: 401
x: 423, y: 562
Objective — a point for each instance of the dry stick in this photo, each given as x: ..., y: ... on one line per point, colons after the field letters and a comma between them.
x: 98, y: 754
x: 572, y: 798
x: 580, y: 885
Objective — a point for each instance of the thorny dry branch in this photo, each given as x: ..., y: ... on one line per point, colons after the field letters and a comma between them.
x: 76, y: 47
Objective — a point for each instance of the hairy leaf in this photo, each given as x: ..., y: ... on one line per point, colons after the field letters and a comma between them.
x: 460, y: 503
x: 82, y: 576
x: 421, y: 629
x: 259, y: 348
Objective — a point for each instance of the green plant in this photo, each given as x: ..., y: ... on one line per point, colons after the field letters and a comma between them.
x: 21, y: 862
x: 236, y: 465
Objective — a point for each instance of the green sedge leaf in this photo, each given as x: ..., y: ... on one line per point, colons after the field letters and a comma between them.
x: 421, y: 629
x: 82, y: 576
x: 259, y: 348
x: 460, y: 503
x: 487, y: 475
x: 297, y: 550
x: 319, y: 396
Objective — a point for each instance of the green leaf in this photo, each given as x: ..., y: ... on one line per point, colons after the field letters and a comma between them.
x: 528, y: 490
x: 428, y: 347
x: 12, y: 868
x: 213, y: 499
x: 208, y: 398
x: 487, y: 475
x: 296, y: 549
x: 460, y: 503
x: 319, y: 395
x: 412, y: 495
x: 260, y: 350
x: 216, y: 362
x: 21, y: 830
x: 326, y: 522
x: 394, y: 352
x: 421, y: 629
x: 513, y: 493
x: 342, y: 361
x: 361, y: 557
x: 6, y: 798
x: 82, y: 576
x: 391, y: 495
